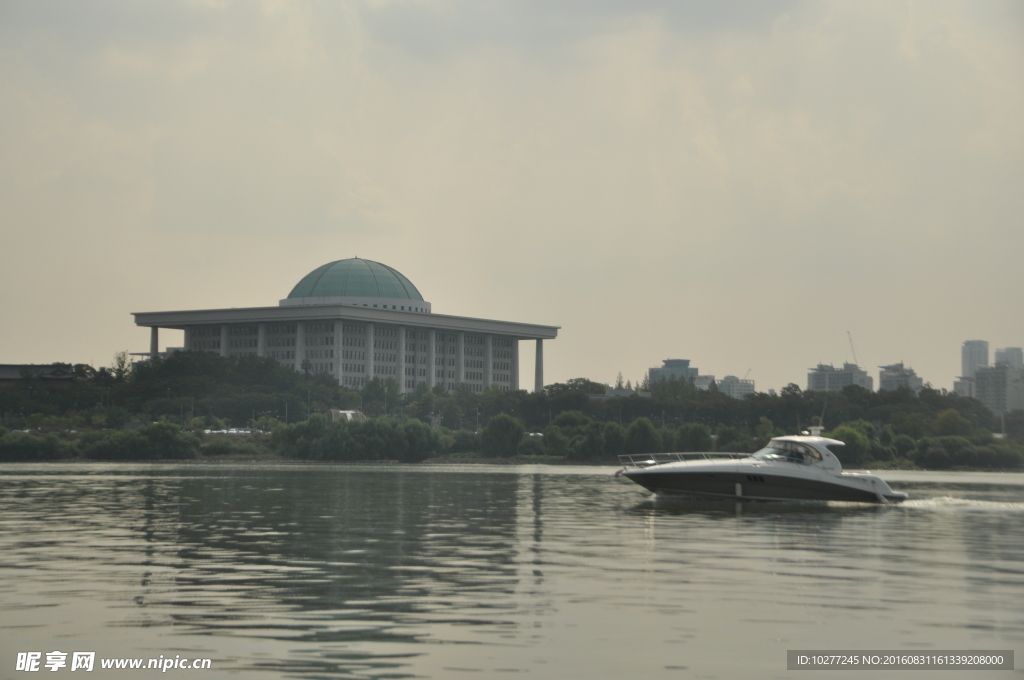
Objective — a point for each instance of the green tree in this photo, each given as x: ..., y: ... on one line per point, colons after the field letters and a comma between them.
x: 765, y: 431
x: 154, y: 442
x: 590, y: 446
x: 904, y: 445
x: 575, y: 385
x: 694, y: 437
x: 641, y: 437
x: 374, y: 397
x: 731, y: 439
x: 572, y: 421
x: 122, y: 365
x: 501, y: 437
x: 791, y: 391
x: 614, y: 439
x: 466, y: 441
x: 421, y: 441
x: 863, y: 426
x: 555, y: 441
x: 857, y: 445
x: 531, y: 446
x: 951, y: 423
x: 21, y: 446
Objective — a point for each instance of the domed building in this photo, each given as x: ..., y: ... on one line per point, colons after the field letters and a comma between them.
x: 356, y: 320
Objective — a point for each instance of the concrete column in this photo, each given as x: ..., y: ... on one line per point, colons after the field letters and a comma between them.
x: 188, y: 338
x: 300, y: 345
x: 460, y: 354
x: 154, y: 342
x: 261, y: 340
x: 432, y: 358
x: 538, y: 371
x: 339, y: 326
x: 514, y: 375
x: 488, y: 361
x: 223, y: 339
x: 402, y: 377
x: 370, y: 350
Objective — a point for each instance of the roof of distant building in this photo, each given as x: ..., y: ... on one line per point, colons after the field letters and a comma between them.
x: 355, y: 277
x: 43, y: 371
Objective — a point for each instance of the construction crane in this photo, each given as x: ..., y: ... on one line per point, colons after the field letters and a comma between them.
x: 747, y: 373
x: 852, y: 349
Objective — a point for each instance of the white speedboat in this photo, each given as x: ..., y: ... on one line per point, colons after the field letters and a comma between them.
x: 789, y: 468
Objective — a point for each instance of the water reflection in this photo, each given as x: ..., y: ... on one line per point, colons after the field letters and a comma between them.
x: 300, y: 571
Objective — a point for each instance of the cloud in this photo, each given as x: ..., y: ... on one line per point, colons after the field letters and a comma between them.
x: 659, y: 178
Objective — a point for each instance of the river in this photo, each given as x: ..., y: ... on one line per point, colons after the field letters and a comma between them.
x: 317, y: 571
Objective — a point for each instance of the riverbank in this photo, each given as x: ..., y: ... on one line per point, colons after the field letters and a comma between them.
x: 411, y: 442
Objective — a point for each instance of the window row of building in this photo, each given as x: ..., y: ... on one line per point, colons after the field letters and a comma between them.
x: 319, y: 340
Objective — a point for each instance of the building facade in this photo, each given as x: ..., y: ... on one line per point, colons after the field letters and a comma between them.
x: 51, y: 373
x: 703, y: 382
x: 824, y: 378
x: 1010, y: 356
x: 357, y: 320
x: 898, y: 376
x: 672, y: 368
x: 973, y: 355
x: 1000, y: 388
x: 734, y: 387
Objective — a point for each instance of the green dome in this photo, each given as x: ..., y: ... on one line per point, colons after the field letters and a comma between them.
x: 355, y: 278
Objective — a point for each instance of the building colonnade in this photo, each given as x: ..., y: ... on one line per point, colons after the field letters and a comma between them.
x: 356, y: 351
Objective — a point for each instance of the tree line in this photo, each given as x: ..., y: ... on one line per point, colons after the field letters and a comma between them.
x: 193, y: 391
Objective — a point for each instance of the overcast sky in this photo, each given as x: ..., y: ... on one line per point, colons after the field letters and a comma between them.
x: 735, y: 183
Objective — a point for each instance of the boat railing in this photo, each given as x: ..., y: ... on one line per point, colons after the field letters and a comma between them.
x: 640, y: 460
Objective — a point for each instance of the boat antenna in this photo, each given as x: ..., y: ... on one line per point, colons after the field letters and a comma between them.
x: 821, y: 421
x: 852, y: 349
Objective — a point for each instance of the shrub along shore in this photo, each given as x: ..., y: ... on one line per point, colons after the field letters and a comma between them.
x: 572, y: 438
x: 161, y: 410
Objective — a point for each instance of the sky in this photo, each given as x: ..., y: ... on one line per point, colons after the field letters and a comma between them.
x: 747, y: 185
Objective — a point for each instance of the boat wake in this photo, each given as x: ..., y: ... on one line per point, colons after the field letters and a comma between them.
x: 954, y: 503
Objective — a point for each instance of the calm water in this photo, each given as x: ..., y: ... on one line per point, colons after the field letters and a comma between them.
x: 282, y: 571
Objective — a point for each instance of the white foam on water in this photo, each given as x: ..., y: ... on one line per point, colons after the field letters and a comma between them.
x: 952, y: 502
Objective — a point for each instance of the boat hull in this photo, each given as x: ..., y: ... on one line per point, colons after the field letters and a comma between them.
x: 761, y: 485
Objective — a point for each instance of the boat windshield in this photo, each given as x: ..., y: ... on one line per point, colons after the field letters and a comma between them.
x: 792, y: 452
x: 770, y: 453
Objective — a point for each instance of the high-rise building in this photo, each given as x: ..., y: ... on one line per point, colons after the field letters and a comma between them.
x: 1000, y: 388
x: 734, y: 387
x: 831, y: 379
x: 897, y: 376
x: 672, y: 368
x: 1011, y: 356
x: 973, y: 355
x: 703, y: 382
